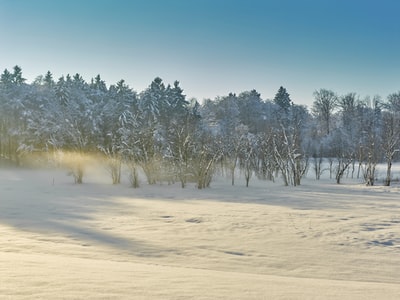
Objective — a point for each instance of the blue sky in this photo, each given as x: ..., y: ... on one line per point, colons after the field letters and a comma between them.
x: 212, y: 47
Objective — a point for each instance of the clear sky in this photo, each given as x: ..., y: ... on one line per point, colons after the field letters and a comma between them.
x: 212, y: 47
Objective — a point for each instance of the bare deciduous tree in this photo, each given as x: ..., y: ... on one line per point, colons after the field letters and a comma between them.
x: 325, y: 103
x: 390, y: 141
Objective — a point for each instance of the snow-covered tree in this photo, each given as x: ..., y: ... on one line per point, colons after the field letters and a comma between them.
x: 390, y: 133
x: 371, y: 139
x: 65, y: 122
x: 248, y: 155
x: 152, y: 101
x: 111, y: 106
x: 323, y: 107
x: 287, y: 157
x: 228, y: 131
x: 250, y: 107
x: 175, y: 127
x: 394, y: 102
x: 48, y: 79
x: 17, y: 78
x: 282, y: 99
x: 14, y: 94
x: 207, y: 153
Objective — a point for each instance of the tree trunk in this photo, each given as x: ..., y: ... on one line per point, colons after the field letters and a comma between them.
x: 247, y: 175
x: 330, y: 168
x: 232, y: 168
x: 78, y: 175
x: 133, y: 175
x: 388, y: 173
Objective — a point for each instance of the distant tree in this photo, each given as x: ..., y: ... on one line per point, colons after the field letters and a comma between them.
x: 391, y: 128
x: 180, y: 123
x: 347, y: 105
x: 62, y: 91
x: 6, y: 78
x: 68, y: 124
x: 98, y: 84
x: 14, y: 95
x: 177, y: 103
x: 342, y: 151
x: 266, y: 161
x: 48, y: 79
x: 248, y: 156
x: 78, y: 81
x: 38, y: 81
x: 44, y: 80
x: 112, y: 107
x: 152, y: 101
x: 229, y: 131
x: 324, y: 105
x: 288, y: 155
x: 17, y: 76
x: 206, y: 154
x: 282, y: 98
x: 152, y: 106
x: 394, y: 102
x: 349, y: 122
x: 390, y: 140
x: 371, y: 138
x: 250, y: 107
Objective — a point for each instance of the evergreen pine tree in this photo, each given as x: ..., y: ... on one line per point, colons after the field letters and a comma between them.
x: 282, y: 98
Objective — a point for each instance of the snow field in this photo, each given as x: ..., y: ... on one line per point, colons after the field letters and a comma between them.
x: 319, y: 240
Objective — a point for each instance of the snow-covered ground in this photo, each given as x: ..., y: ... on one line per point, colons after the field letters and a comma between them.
x: 319, y: 240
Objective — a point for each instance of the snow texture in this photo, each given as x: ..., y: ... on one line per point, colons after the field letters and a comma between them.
x: 319, y: 240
